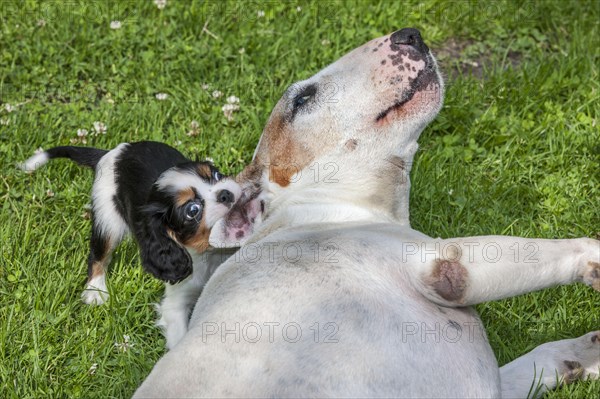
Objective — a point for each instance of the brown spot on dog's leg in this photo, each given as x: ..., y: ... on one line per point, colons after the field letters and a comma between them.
x: 449, y: 280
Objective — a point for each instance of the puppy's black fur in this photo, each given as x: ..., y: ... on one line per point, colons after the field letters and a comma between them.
x: 153, y: 214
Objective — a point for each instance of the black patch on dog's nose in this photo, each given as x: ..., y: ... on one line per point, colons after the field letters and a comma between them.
x: 225, y: 197
x: 411, y: 37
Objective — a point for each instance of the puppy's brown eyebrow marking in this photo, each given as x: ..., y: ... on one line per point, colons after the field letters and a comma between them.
x: 204, y: 171
x: 185, y: 195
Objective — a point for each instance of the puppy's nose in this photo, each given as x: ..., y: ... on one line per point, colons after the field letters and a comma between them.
x: 411, y: 37
x: 225, y: 197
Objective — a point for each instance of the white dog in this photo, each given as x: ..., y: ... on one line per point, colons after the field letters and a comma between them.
x: 335, y: 295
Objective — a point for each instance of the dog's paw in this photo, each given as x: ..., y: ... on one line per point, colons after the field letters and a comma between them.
x: 581, y: 358
x: 573, y: 371
x: 94, y: 296
x: 591, y: 275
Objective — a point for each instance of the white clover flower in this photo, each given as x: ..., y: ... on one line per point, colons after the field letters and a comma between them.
x: 161, y: 96
x: 260, y: 13
x: 160, y: 4
x: 325, y: 42
x: 205, y: 86
x: 195, y: 129
x: 125, y: 345
x: 41, y: 22
x: 99, y: 128
x: 82, y: 132
x: 242, y: 51
x: 49, y: 193
x: 233, y: 100
x: 209, y: 159
x: 298, y: 9
x: 9, y: 108
x: 93, y: 369
x: 229, y: 109
x: 4, y: 122
x: 217, y: 93
x: 115, y: 24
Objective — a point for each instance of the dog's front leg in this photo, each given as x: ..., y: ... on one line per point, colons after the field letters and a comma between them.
x: 468, y: 271
x: 176, y: 307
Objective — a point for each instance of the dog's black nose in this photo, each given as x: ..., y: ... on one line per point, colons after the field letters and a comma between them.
x: 225, y: 197
x: 411, y: 37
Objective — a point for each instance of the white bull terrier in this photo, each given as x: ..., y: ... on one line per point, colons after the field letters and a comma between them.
x: 335, y: 295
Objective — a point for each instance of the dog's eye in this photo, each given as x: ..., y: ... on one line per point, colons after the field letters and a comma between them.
x: 193, y: 211
x: 217, y: 176
x: 305, y: 95
x: 300, y: 101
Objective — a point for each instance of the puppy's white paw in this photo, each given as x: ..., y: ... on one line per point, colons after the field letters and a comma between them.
x: 95, y: 292
x: 93, y: 296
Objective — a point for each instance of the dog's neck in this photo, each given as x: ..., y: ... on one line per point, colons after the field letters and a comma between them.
x: 336, y: 189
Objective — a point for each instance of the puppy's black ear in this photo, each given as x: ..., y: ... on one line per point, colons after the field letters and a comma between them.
x: 162, y: 256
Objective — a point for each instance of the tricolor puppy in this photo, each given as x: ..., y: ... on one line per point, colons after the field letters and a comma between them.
x: 169, y: 204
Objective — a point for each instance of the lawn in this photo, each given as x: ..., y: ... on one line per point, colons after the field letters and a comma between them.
x: 516, y: 150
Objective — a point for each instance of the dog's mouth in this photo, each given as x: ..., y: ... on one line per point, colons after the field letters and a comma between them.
x: 422, y: 82
x: 396, y: 106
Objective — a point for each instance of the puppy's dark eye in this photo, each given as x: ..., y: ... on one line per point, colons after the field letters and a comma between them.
x: 193, y: 211
x: 217, y: 176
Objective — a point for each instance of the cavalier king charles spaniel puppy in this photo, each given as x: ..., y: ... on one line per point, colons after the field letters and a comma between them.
x: 168, y: 203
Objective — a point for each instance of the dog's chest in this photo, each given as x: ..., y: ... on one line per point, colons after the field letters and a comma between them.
x: 340, y: 291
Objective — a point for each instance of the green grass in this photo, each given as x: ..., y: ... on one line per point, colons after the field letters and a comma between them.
x: 514, y: 151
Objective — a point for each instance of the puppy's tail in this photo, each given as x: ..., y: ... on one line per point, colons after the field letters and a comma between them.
x: 85, y: 156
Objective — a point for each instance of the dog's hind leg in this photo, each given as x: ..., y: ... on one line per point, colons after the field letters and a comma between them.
x: 101, y: 249
x: 550, y: 365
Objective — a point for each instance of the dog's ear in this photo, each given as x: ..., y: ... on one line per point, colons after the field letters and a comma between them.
x: 162, y: 256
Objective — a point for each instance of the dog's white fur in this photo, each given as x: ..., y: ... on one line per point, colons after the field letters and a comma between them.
x: 108, y: 220
x: 35, y: 162
x: 383, y: 310
x: 175, y: 309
